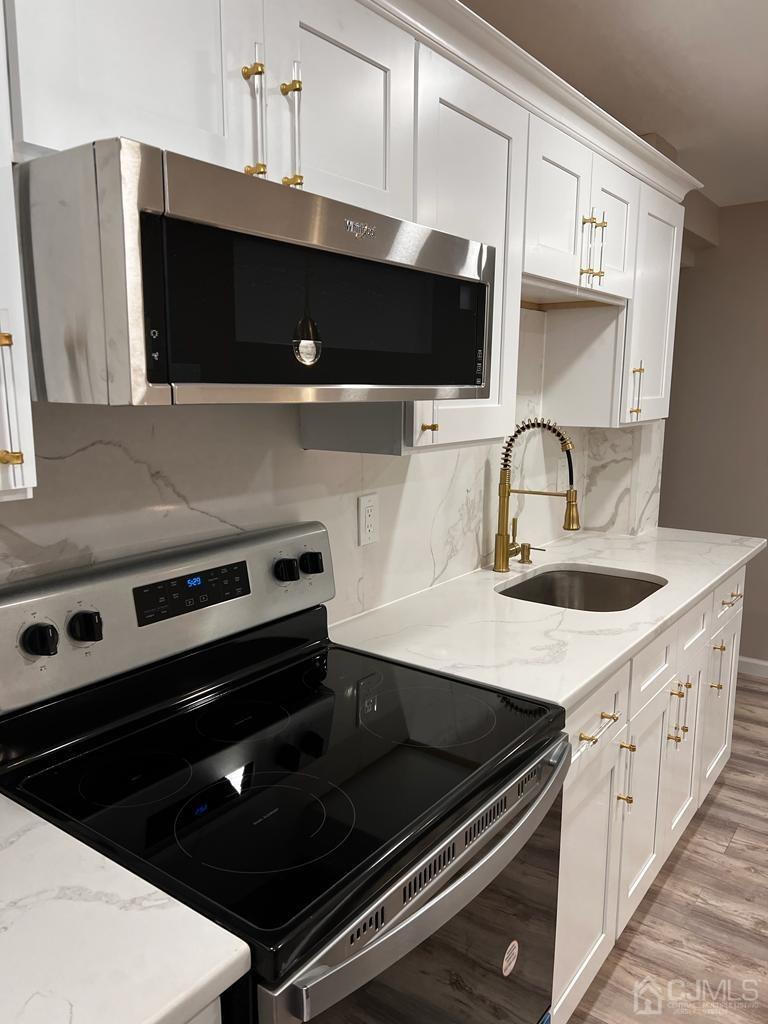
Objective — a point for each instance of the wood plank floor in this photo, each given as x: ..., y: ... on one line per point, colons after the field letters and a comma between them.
x: 706, y: 915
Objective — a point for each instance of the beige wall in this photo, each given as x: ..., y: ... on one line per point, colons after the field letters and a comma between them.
x: 715, y: 474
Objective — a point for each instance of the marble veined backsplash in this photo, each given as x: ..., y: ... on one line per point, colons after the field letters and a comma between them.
x: 116, y: 481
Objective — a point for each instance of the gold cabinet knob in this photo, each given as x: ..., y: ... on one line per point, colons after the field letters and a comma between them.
x: 626, y: 798
x: 6, y: 339
x: 688, y: 684
x: 598, y: 273
x: 589, y: 220
x: 610, y: 716
x: 253, y: 169
x: 715, y: 686
x: 674, y: 737
x: 586, y: 270
x: 249, y: 70
x: 677, y: 693
x: 586, y: 738
x: 294, y: 179
x: 430, y: 426
x: 638, y: 369
x: 684, y: 728
x: 631, y: 747
x: 293, y: 86
x: 718, y: 647
x: 637, y: 410
x: 601, y: 223
x: 11, y: 458
x: 736, y: 595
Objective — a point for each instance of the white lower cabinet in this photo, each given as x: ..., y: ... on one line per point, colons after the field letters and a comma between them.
x: 586, y: 925
x: 642, y: 849
x: 716, y: 704
x: 210, y: 1015
x: 633, y: 788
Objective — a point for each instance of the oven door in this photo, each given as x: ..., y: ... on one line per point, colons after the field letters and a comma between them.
x: 479, y: 946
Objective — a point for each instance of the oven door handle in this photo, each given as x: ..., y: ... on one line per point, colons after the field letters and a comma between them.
x: 320, y: 987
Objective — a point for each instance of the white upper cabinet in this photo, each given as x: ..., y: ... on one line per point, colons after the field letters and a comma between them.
x: 470, y: 181
x: 652, y: 310
x: 348, y: 132
x: 558, y: 198
x: 610, y: 234
x: 167, y: 74
x: 581, y: 214
x: 17, y: 457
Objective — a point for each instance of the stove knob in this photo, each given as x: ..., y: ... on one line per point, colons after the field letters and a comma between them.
x: 286, y: 570
x: 41, y: 640
x: 86, y: 627
x: 311, y: 562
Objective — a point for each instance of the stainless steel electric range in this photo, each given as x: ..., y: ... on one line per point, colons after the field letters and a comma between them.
x: 386, y: 839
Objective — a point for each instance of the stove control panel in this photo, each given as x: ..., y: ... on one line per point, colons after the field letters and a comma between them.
x: 190, y: 592
x: 77, y: 628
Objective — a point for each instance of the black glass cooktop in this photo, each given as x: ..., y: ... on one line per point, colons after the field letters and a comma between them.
x: 270, y: 803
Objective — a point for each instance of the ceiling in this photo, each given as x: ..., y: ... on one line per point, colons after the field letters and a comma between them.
x: 693, y: 71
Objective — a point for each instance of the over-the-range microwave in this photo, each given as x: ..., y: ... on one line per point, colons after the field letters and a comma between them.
x: 152, y: 278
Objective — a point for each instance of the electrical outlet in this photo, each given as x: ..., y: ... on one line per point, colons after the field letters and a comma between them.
x: 367, y: 519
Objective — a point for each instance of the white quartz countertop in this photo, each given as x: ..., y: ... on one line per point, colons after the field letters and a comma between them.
x: 465, y: 628
x: 83, y: 941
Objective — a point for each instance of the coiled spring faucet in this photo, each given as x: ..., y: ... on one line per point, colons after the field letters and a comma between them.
x: 506, y: 547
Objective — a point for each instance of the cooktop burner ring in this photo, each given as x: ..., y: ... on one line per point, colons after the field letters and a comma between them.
x: 174, y: 775
x: 484, y: 726
x: 301, y: 801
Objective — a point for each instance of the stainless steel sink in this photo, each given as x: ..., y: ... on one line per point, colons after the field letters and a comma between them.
x: 584, y: 589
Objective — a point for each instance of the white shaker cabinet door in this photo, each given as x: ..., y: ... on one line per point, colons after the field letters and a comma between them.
x: 612, y: 238
x: 716, y: 705
x: 557, y: 200
x: 642, y: 842
x: 167, y: 73
x: 17, y: 457
x: 470, y: 159
x: 653, y: 309
x: 589, y: 865
x: 349, y: 130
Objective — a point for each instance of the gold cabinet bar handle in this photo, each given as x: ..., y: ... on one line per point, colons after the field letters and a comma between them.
x: 601, y: 224
x: 631, y: 747
x: 610, y: 716
x: 674, y: 737
x: 11, y: 458
x: 6, y: 339
x: 253, y: 169
x: 598, y: 273
x: 638, y: 369
x: 626, y: 798
x: 718, y: 647
x: 295, y: 85
x: 588, y: 220
x: 586, y: 738
x: 586, y: 270
x: 637, y: 410
x: 677, y: 693
x: 249, y: 70
x: 430, y: 426
x: 715, y: 686
x: 294, y: 179
x: 727, y: 604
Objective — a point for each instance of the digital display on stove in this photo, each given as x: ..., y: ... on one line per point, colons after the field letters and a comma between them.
x: 169, y: 598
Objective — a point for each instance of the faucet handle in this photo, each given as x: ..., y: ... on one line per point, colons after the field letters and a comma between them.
x: 513, y: 524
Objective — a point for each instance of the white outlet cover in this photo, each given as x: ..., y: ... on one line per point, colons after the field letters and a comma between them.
x: 367, y: 519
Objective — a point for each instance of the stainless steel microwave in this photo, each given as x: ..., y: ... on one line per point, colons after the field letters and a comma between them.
x: 152, y: 278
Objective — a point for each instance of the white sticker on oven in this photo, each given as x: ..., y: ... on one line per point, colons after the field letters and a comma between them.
x: 510, y: 958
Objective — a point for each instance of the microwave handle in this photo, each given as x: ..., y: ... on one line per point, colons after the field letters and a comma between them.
x: 321, y: 987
